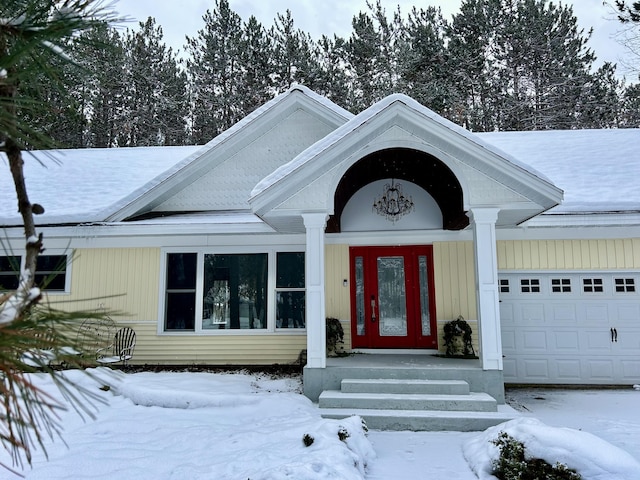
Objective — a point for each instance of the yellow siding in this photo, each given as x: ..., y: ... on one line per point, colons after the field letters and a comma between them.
x: 154, y: 349
x: 568, y: 254
x: 338, y: 303
x: 454, y: 278
x: 119, y: 279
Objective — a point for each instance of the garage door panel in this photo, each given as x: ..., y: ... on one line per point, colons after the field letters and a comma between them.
x: 595, y: 313
x: 630, y: 369
x: 566, y: 341
x: 507, y: 313
x: 563, y: 313
x: 568, y: 370
x: 601, y: 369
x: 627, y: 314
x: 532, y: 313
x: 536, y: 369
x: 508, y: 341
x: 534, y: 341
x: 628, y: 341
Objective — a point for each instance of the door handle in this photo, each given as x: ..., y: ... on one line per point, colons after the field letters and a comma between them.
x: 614, y: 335
x: 373, y: 308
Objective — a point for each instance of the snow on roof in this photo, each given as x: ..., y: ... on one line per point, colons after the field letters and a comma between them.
x: 79, y: 185
x: 597, y: 169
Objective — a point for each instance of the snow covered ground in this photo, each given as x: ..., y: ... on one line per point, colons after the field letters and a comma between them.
x: 187, y: 425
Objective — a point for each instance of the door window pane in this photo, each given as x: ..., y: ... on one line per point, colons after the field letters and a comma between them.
x: 424, y: 295
x: 235, y: 291
x: 392, y: 305
x: 359, y: 272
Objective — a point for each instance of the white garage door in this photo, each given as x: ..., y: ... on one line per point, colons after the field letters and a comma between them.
x: 570, y: 328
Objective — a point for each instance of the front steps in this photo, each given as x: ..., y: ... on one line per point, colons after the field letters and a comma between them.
x: 414, y: 404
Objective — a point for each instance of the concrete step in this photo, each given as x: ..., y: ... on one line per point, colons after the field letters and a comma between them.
x: 430, y: 421
x: 473, y: 402
x: 394, y: 385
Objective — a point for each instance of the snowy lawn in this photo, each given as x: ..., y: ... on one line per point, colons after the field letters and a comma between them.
x: 182, y: 425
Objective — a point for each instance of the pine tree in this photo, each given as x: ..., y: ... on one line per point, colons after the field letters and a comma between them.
x: 292, y: 54
x: 214, y: 70
x: 103, y: 57
x: 30, y: 32
x: 256, y: 63
x: 155, y: 90
x: 423, y: 60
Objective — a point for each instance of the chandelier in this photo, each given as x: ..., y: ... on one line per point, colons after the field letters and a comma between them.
x: 392, y: 204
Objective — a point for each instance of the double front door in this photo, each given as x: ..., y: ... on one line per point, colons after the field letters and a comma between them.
x: 392, y: 302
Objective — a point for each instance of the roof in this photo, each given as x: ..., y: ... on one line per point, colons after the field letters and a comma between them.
x: 597, y: 169
x: 84, y: 185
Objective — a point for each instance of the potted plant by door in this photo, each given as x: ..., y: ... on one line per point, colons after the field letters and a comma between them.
x: 457, y: 338
x: 335, y: 336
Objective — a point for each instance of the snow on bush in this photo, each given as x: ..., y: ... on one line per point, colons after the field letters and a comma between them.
x: 590, y: 456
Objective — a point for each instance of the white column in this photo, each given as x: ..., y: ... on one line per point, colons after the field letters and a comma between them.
x: 486, y: 263
x: 314, y: 274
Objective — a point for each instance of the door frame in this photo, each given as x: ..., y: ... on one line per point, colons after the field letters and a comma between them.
x: 414, y: 338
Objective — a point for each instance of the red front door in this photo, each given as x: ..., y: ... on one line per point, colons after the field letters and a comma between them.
x: 392, y: 302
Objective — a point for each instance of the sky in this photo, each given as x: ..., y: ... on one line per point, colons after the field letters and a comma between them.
x: 234, y: 426
x: 326, y: 17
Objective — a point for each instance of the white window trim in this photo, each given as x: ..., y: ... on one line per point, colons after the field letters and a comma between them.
x: 270, y: 250
x: 50, y: 252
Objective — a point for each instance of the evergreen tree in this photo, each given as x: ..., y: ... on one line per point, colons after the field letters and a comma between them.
x: 631, y: 107
x: 214, y: 70
x: 31, y: 31
x: 600, y: 105
x: 256, y: 63
x: 155, y: 91
x: 292, y: 54
x: 423, y: 60
x: 471, y: 37
x: 372, y: 55
x: 331, y: 79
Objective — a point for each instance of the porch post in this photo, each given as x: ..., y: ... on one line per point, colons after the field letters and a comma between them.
x: 314, y: 274
x: 486, y: 263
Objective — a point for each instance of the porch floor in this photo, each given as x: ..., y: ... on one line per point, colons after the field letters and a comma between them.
x: 402, y: 360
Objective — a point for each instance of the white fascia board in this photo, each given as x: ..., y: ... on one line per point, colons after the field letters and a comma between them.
x: 594, y: 219
x: 228, y: 143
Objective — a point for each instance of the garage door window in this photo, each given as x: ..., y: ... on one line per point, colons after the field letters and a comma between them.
x: 625, y: 285
x: 592, y: 285
x: 504, y: 285
x: 530, y: 285
x: 561, y: 285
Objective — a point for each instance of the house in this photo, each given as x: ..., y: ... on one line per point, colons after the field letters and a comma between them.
x: 395, y: 221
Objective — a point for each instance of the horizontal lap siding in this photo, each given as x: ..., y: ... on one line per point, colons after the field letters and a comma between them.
x: 123, y: 280
x: 154, y: 349
x: 568, y: 254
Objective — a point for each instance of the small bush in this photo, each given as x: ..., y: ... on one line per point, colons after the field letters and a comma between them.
x: 307, y: 440
x: 335, y: 334
x: 343, y: 434
x: 512, y: 464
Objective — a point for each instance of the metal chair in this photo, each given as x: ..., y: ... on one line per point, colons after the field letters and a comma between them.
x: 94, y: 335
x: 124, y: 342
